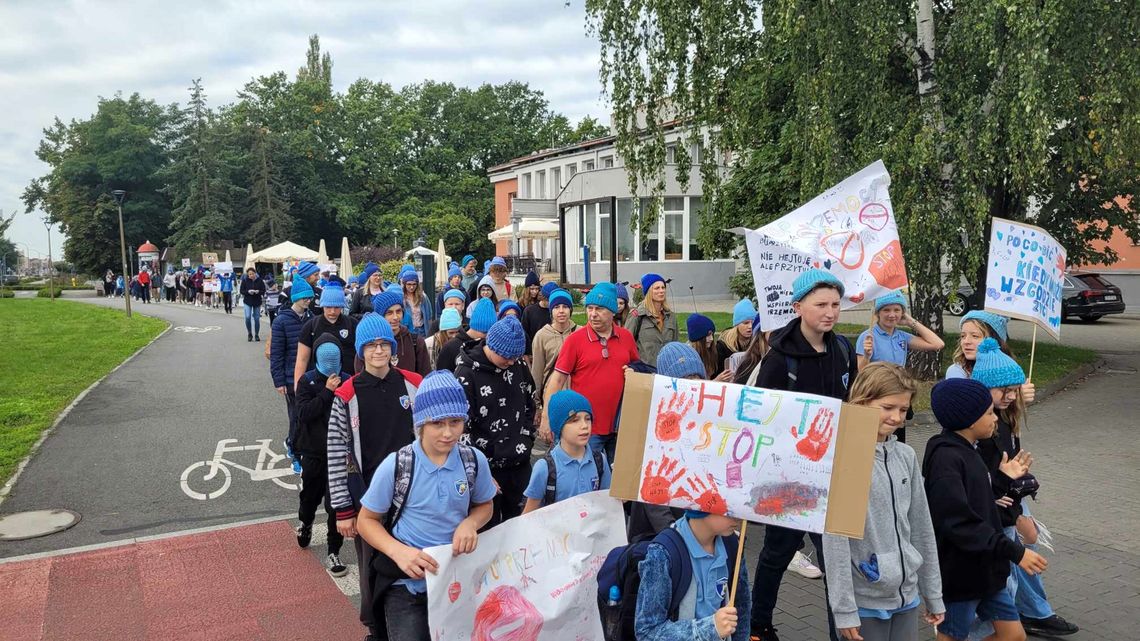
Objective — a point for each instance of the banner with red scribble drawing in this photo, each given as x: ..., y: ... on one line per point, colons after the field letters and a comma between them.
x: 533, y: 578
x: 848, y: 230
x: 756, y: 454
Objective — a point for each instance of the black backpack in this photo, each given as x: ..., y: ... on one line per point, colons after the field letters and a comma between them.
x: 552, y: 476
x: 406, y: 466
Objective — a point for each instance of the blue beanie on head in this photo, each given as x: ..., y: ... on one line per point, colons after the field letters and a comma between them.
x: 622, y: 293
x: 694, y: 515
x: 562, y: 405
x: 497, y: 261
x: 509, y: 304
x: 333, y: 296
x: 994, y: 368
x: 808, y: 281
x: 548, y: 289
x: 699, y: 327
x: 409, y: 275
x: 604, y: 294
x: 894, y: 298
x: 455, y: 293
x: 678, y: 360
x: 996, y: 322
x: 483, y: 315
x: 301, y: 289
x: 452, y: 272
x: 438, y: 397
x: 373, y: 327
x: 743, y: 312
x: 384, y: 301
x: 450, y: 319
x: 531, y: 279
x: 649, y: 280
x: 366, y: 273
x: 306, y: 269
x: 466, y: 259
x: 507, y: 338
x: 328, y: 358
x: 958, y: 403
x: 561, y: 297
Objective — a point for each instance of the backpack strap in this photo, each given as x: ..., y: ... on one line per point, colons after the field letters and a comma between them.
x: 680, y: 567
x: 405, y: 467
x: 793, y: 363
x: 470, y: 468
x: 793, y: 366
x: 551, y: 480
x: 637, y: 328
x: 599, y: 463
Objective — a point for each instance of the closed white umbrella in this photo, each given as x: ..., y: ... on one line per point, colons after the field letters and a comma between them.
x: 322, y: 254
x: 249, y: 257
x: 345, y: 259
x: 441, y: 268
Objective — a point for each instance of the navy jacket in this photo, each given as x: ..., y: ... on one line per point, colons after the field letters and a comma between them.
x: 283, y: 348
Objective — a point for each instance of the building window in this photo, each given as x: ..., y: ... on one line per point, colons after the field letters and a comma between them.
x: 607, y: 162
x: 697, y: 153
x: 526, y: 188
x: 555, y: 181
x: 571, y: 169
x: 671, y: 154
x: 588, y: 165
x: 540, y: 178
x: 606, y: 240
x: 696, y: 210
x: 626, y: 246
x: 673, y: 228
x: 649, y: 235
x: 589, y: 230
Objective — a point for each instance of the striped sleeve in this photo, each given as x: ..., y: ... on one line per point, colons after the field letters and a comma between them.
x: 339, y: 444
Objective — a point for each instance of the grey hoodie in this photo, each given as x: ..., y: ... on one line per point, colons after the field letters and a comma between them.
x: 898, y: 532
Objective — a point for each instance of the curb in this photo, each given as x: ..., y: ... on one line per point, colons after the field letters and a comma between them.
x: 926, y: 417
x: 7, y: 489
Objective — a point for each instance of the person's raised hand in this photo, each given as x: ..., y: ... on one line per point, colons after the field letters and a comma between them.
x: 1015, y: 467
x: 1028, y: 392
x: 347, y: 527
x: 851, y: 634
x: 868, y: 346
x: 333, y: 382
x: 725, y: 621
x: 1033, y: 563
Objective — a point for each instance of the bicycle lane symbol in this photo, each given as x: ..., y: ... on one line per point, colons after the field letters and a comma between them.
x: 211, y: 478
x: 190, y: 329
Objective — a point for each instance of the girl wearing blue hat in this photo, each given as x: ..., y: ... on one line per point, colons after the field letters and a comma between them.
x: 883, y: 341
x: 976, y: 326
x: 417, y: 308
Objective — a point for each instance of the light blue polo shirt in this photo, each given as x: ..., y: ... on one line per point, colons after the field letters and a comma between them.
x: 710, y: 571
x: 437, y: 502
x: 575, y: 476
x: 891, y: 348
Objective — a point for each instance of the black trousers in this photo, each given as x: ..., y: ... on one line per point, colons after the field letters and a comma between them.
x: 228, y: 301
x: 780, y: 545
x: 291, y: 408
x: 509, y: 501
x: 314, y: 487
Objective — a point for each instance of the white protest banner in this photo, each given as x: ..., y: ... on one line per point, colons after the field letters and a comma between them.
x: 796, y: 460
x: 223, y: 267
x: 533, y: 578
x: 774, y: 269
x: 185, y: 262
x: 848, y: 230
x: 1025, y: 274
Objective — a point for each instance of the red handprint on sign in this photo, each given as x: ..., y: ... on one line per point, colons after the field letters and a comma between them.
x: 669, y: 417
x: 708, y: 496
x: 814, y: 445
x: 657, y: 488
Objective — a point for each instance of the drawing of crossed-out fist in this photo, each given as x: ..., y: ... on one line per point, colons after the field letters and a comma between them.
x: 657, y: 487
x: 708, y: 496
x: 669, y: 416
x: 818, y: 438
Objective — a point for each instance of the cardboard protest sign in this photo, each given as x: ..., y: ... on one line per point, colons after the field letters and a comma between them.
x: 848, y: 230
x: 224, y: 267
x: 209, y: 258
x: 771, y: 456
x: 1025, y: 274
x: 185, y: 262
x: 533, y: 578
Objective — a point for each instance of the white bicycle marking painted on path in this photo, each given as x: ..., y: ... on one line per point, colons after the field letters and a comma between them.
x: 213, y: 476
x: 190, y: 329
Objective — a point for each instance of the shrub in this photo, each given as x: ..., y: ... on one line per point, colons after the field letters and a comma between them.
x: 7, y: 293
x: 741, y: 285
x: 389, y: 270
x: 47, y: 293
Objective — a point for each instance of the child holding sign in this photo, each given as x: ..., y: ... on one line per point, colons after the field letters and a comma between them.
x: 977, y: 326
x: 876, y: 583
x: 572, y: 467
x: 883, y: 341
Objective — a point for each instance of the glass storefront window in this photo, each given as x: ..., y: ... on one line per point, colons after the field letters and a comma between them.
x: 649, y: 236
x: 606, y: 239
x: 696, y: 209
x: 589, y: 235
x: 625, y: 241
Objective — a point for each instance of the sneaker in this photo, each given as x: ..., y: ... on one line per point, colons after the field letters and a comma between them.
x: 766, y: 633
x: 1052, y: 626
x: 803, y: 566
x: 297, y: 471
x: 304, y: 534
x: 336, y: 568
x: 249, y: 338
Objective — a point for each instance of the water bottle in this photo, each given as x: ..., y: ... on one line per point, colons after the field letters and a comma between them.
x: 612, y: 623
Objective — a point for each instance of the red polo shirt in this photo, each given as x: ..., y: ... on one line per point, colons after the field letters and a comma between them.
x: 600, y: 379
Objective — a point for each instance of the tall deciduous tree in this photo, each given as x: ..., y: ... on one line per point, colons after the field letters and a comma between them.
x: 1022, y: 109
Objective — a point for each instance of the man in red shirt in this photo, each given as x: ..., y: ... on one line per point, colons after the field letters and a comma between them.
x: 592, y: 362
x: 144, y: 285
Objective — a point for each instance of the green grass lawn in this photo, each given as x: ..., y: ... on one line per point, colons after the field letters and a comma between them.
x: 52, y: 352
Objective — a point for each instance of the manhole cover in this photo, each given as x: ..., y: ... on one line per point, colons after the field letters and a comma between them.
x: 31, y: 525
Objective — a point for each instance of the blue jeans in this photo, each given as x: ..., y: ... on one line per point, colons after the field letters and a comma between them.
x: 961, y: 615
x: 606, y: 444
x: 982, y: 628
x: 254, y: 313
x: 1030, y: 597
x: 405, y: 615
x: 780, y: 545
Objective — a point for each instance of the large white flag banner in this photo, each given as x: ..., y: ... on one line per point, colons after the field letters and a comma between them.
x: 848, y: 230
x: 1025, y: 274
x: 533, y: 578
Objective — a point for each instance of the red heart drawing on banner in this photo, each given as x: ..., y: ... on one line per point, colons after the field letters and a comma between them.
x: 844, y: 246
x: 856, y: 298
x: 875, y: 216
x: 454, y: 590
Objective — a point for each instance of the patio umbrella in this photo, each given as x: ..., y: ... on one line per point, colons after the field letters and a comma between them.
x: 322, y: 254
x: 345, y: 259
x: 441, y: 268
x: 249, y: 257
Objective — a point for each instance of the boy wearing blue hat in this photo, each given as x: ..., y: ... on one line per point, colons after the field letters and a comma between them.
x: 482, y: 317
x: 570, y: 468
x: 883, y: 341
x: 500, y: 392
x: 330, y: 321
x: 315, y: 391
x: 311, y: 275
x: 285, y: 334
x: 470, y: 269
x: 454, y: 282
x: 547, y: 343
x: 436, y: 491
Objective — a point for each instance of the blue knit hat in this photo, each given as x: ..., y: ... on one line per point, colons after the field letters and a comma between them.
x: 306, y: 269
x: 894, y: 298
x: 679, y: 360
x: 439, y: 397
x: 450, y: 319
x: 562, y: 405
x: 455, y: 293
x: 466, y: 259
x: 699, y: 327
x: 743, y: 312
x: 384, y: 301
x: 958, y: 403
x: 507, y: 338
x: 333, y: 296
x: 366, y: 273
x: 372, y: 327
x: 808, y: 281
x: 548, y: 289
x: 531, y: 279
x: 999, y: 324
x: 328, y: 358
x: 497, y: 261
x: 604, y: 294
x: 509, y: 304
x: 483, y: 315
x: 452, y: 272
x: 649, y: 280
x: 622, y: 293
x: 561, y: 297
x: 409, y: 275
x: 695, y: 515
x: 301, y: 289
x: 994, y: 368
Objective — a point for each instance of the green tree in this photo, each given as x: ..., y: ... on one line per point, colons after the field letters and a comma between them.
x: 1020, y: 109
x: 8, y: 255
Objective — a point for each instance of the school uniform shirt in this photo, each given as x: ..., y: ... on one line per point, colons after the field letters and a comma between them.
x: 574, y: 475
x: 437, y: 502
x: 956, y: 371
x: 596, y: 376
x: 710, y: 571
x: 890, y: 348
x: 343, y: 330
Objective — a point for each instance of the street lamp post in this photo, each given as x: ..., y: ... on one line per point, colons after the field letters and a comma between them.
x: 51, y: 284
x: 119, y: 194
x: 395, y: 238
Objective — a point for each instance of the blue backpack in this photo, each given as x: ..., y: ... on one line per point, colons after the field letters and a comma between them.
x: 621, y: 569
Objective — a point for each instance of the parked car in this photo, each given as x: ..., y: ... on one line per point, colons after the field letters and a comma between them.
x: 1089, y: 296
x: 966, y: 300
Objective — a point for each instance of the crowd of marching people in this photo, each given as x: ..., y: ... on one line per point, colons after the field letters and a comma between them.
x: 413, y: 422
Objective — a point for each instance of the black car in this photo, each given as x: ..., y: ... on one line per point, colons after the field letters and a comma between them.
x: 1090, y: 296
x: 966, y: 300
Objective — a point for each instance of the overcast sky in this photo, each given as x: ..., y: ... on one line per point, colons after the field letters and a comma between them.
x: 58, y: 57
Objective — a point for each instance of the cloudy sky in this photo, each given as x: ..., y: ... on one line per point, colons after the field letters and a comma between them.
x: 58, y: 57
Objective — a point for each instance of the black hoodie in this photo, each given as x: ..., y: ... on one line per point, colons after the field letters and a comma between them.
x: 314, y: 405
x: 991, y: 450
x: 973, y: 552
x: 823, y: 373
x: 501, y: 402
x: 450, y: 350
